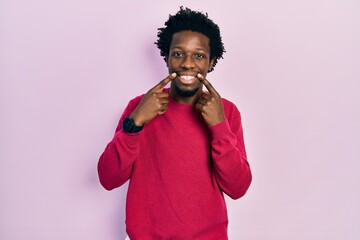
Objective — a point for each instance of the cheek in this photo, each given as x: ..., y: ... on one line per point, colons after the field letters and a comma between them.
x: 204, y: 69
x: 171, y: 64
x: 204, y: 66
x: 170, y: 61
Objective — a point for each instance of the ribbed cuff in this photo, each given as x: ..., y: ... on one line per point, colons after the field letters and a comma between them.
x: 220, y: 130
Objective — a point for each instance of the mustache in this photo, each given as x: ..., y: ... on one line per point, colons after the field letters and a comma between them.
x: 189, y: 73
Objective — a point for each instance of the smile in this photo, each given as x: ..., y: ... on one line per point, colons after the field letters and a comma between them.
x: 187, y: 77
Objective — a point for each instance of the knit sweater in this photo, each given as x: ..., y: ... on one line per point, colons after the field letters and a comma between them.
x: 179, y: 169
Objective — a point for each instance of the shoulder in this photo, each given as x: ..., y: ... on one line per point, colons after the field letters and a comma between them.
x: 132, y: 104
x: 227, y: 102
x: 128, y: 110
x: 232, y: 114
x: 135, y: 101
x: 229, y: 107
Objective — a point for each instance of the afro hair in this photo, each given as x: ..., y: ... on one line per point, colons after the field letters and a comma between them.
x: 186, y: 19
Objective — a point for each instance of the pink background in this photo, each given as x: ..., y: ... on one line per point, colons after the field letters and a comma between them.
x: 68, y: 69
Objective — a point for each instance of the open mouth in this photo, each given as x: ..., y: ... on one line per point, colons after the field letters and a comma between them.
x: 187, y: 77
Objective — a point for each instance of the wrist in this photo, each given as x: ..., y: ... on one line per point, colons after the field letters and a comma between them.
x: 129, y: 126
x: 137, y: 120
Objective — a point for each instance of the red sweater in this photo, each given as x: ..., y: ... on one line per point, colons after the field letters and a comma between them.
x: 178, y: 169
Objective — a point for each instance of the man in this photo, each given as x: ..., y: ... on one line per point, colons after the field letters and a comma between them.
x: 181, y: 147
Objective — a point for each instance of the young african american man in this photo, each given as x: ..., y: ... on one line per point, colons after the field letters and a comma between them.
x: 181, y: 147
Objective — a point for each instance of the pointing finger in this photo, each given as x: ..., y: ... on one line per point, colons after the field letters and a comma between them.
x: 165, y: 81
x: 208, y: 85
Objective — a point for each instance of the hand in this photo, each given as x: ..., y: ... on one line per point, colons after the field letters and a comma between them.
x: 209, y: 104
x: 154, y: 103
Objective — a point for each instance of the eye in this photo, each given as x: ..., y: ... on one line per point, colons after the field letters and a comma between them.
x: 177, y: 54
x: 200, y: 55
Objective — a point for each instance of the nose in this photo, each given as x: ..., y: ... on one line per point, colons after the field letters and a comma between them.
x: 188, y: 62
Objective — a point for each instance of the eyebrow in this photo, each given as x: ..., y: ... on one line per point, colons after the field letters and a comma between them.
x: 201, y: 49
x: 198, y: 49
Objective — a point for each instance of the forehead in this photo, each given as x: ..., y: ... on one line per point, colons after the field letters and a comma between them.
x: 190, y: 40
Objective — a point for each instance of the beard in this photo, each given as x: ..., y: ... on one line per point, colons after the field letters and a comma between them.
x: 185, y: 92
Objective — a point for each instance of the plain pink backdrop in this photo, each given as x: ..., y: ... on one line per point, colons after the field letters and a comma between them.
x: 68, y: 69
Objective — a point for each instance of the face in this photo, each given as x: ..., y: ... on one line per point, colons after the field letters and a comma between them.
x: 189, y: 55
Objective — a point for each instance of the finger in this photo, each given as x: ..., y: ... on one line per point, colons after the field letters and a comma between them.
x: 198, y: 107
x: 208, y: 85
x: 163, y: 109
x: 202, y: 101
x: 165, y: 81
x: 163, y: 101
x: 206, y: 95
x: 162, y: 95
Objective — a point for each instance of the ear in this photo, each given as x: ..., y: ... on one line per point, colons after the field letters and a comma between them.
x: 166, y: 60
x: 211, y: 65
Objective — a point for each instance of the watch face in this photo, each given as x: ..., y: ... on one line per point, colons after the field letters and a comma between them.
x: 127, y: 124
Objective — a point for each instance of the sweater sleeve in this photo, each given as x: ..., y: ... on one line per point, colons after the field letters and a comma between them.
x: 231, y: 168
x: 116, y: 162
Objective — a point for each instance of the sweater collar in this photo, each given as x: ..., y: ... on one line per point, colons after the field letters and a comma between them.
x: 181, y: 106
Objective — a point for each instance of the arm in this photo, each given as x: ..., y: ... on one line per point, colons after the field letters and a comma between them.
x: 116, y: 163
x: 231, y: 169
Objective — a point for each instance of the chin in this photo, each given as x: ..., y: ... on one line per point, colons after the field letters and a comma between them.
x: 185, y: 92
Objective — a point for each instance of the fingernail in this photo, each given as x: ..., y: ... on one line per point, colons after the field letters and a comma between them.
x: 173, y: 74
x: 199, y: 75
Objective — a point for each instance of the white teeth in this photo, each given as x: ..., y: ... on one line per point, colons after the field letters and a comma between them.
x: 187, y: 78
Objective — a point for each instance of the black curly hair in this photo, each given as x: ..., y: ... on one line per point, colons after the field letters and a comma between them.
x: 187, y: 19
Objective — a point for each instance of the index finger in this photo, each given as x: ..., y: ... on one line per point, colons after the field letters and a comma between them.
x: 208, y: 85
x: 165, y: 81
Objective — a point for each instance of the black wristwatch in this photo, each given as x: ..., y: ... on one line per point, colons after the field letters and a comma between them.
x: 128, y: 125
